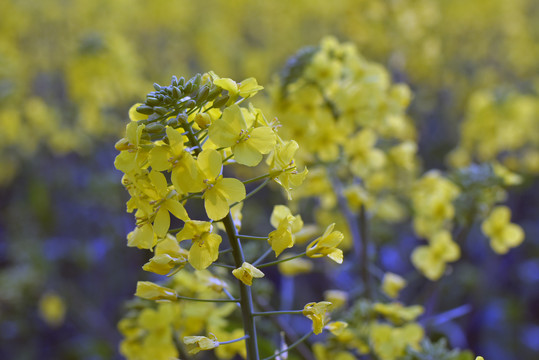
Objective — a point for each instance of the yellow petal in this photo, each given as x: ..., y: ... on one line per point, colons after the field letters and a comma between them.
x: 210, y: 163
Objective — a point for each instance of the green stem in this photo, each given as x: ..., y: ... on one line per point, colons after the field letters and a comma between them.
x: 233, y: 341
x: 249, y: 237
x: 282, y: 260
x: 206, y: 300
x: 246, y: 298
x: 224, y: 266
x: 300, y: 340
x: 279, y: 312
x: 262, y: 257
x: 256, y: 179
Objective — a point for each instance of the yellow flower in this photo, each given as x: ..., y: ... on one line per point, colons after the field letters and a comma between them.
x: 142, y: 237
x: 205, y: 246
x: 246, y: 273
x: 247, y: 88
x: 168, y: 254
x: 150, y: 291
x: 392, y: 284
x: 326, y: 245
x: 195, y: 344
x: 248, y: 143
x: 167, y: 203
x: 317, y: 313
x: 283, y: 168
x: 479, y: 358
x: 431, y: 259
x: 336, y: 327
x: 286, y: 225
x: 185, y: 175
x: 389, y: 342
x: 220, y: 192
x: 52, y: 309
x: 502, y: 233
x: 397, y: 313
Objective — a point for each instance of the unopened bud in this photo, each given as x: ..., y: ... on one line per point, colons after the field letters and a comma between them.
x: 203, y: 120
x: 220, y: 101
x: 145, y: 109
x: 154, y: 127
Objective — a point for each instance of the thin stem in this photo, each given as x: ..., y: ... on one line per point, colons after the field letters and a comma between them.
x: 256, y: 179
x: 257, y: 189
x: 224, y: 266
x: 246, y: 298
x: 278, y: 312
x: 225, y: 251
x: 233, y: 341
x: 207, y: 300
x: 282, y: 260
x: 290, y: 334
x: 249, y: 237
x: 262, y: 257
x: 303, y: 338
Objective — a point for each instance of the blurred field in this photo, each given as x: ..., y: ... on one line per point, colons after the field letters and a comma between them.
x: 69, y: 72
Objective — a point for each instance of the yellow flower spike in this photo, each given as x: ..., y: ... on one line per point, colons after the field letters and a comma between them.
x: 246, y: 273
x: 150, y: 291
x: 503, y: 234
x: 247, y: 143
x: 317, y: 313
x: 392, y: 284
x: 326, y: 245
x: 220, y: 192
x: 195, y: 344
x: 205, y: 245
x: 336, y: 327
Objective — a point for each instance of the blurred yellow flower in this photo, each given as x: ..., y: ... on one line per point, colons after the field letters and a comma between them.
x: 502, y: 233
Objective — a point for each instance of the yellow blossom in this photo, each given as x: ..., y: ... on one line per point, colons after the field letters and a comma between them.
x: 431, y: 259
x: 248, y: 143
x: 150, y: 291
x: 337, y: 298
x: 52, y: 309
x: 246, y: 273
x: 317, y: 313
x: 326, y: 245
x: 503, y: 234
x: 205, y: 245
x: 295, y: 267
x: 219, y: 192
x: 286, y: 225
x: 195, y: 344
x: 397, y: 313
x: 168, y: 254
x: 392, y: 284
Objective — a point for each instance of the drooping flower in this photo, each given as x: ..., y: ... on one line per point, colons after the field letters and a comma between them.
x: 317, y: 313
x: 246, y: 273
x: 286, y: 226
x: 195, y: 344
x: 326, y: 245
x: 150, y: 291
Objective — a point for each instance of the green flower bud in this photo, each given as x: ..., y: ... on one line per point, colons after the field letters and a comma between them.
x: 154, y: 127
x: 202, y: 94
x: 176, y: 92
x: 145, y: 109
x: 152, y: 101
x: 160, y: 110
x: 214, y: 92
x: 156, y: 86
x: 174, y: 81
x: 220, y: 101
